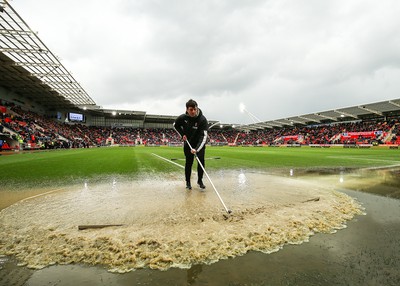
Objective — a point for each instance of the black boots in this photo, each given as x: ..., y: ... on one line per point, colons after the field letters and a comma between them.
x: 201, y: 185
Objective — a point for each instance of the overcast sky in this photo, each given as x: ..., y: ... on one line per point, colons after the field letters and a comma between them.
x: 278, y: 58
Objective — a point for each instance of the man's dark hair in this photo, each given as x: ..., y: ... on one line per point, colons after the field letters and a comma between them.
x: 191, y: 103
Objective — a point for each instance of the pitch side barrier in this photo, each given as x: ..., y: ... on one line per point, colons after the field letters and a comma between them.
x: 356, y: 146
x: 175, y: 144
x: 126, y: 145
x: 348, y: 146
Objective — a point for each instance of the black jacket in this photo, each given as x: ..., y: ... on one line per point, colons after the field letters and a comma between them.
x: 195, y: 129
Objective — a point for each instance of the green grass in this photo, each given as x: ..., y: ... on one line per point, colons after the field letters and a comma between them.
x: 68, y: 166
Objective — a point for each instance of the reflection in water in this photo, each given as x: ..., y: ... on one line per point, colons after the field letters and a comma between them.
x: 193, y: 272
x: 3, y: 260
x: 341, y: 177
x: 241, y: 179
x: 114, y: 184
x: 384, y: 182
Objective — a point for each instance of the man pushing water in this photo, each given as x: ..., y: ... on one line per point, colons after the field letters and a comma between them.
x: 193, y: 128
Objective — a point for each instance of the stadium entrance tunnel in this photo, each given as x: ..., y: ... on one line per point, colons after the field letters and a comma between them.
x: 155, y: 223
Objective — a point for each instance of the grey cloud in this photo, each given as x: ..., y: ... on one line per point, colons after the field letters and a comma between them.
x: 280, y: 58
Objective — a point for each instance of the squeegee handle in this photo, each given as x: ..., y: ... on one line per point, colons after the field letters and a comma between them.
x: 208, y: 177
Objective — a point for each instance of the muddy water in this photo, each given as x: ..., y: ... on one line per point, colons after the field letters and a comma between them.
x: 9, y: 197
x: 175, y: 228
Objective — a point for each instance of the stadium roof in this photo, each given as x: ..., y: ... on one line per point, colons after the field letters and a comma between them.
x: 30, y: 69
x: 378, y: 109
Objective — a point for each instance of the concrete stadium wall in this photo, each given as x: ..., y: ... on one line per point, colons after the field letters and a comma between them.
x: 157, y: 125
x: 25, y: 103
x: 30, y: 105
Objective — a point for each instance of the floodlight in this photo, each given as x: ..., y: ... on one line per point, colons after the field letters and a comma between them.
x: 242, y: 107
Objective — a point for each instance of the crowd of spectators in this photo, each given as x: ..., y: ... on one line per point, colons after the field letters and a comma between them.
x: 36, y: 131
x: 396, y: 135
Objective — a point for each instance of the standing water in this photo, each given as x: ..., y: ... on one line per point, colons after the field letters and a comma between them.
x: 187, y: 233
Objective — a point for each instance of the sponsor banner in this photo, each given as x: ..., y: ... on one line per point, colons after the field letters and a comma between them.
x: 362, y: 134
x: 292, y: 137
x: 320, y: 145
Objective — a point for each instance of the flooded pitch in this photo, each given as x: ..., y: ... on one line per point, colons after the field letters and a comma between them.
x: 162, y: 226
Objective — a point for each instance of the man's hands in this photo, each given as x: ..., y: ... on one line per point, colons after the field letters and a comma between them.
x: 193, y: 151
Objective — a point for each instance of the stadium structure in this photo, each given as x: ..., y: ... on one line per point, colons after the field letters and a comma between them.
x: 34, y: 79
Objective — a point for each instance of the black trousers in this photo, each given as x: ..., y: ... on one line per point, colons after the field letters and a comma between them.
x: 189, y: 162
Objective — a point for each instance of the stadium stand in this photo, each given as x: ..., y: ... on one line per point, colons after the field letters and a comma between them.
x: 34, y: 131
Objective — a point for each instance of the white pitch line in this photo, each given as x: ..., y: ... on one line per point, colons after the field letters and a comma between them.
x: 365, y: 159
x: 382, y: 167
x: 39, y: 195
x: 183, y: 159
x: 165, y: 159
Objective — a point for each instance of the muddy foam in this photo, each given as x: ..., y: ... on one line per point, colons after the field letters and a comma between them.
x: 162, y: 225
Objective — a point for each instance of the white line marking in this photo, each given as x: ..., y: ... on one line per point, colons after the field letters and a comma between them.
x: 365, y: 159
x: 183, y: 159
x: 46, y: 193
x: 382, y: 167
x: 165, y: 159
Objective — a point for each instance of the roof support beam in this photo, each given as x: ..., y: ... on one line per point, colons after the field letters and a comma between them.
x: 327, y: 117
x: 22, y: 51
x: 346, y: 114
x: 371, y: 110
x: 40, y: 75
x: 309, y: 119
x: 26, y: 64
x: 295, y: 121
x: 394, y: 103
x: 16, y: 32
